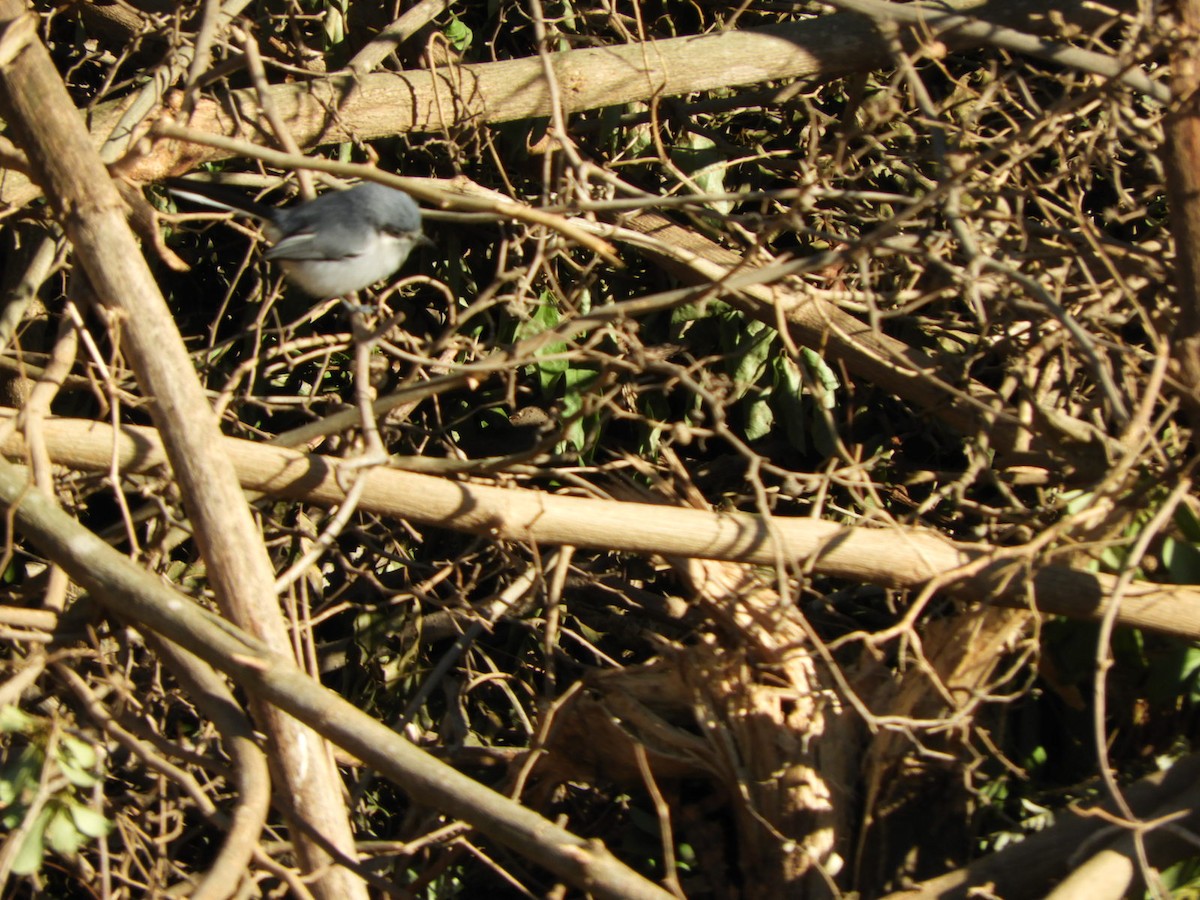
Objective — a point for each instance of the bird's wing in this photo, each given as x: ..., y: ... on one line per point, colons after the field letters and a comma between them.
x: 310, y: 245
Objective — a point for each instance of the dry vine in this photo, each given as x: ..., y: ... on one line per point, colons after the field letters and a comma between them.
x: 772, y: 433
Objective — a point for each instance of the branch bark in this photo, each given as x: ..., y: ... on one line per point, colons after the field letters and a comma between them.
x: 1181, y: 158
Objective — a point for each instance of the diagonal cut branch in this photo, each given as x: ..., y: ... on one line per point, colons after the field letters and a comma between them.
x: 92, y: 215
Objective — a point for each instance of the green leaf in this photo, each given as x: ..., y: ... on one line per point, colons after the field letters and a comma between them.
x: 788, y: 394
x: 575, y: 385
x: 545, y: 316
x: 89, y: 821
x: 690, y: 312
x: 824, y: 375
x: 1077, y: 501
x: 1113, y: 557
x: 14, y: 721
x: 752, y: 363
x: 77, y: 760
x: 81, y: 752
x: 638, y: 138
x: 568, y: 20
x: 459, y: 34
x: 335, y: 23
x: 1190, y: 663
x: 698, y: 157
x: 1036, y: 758
x: 1188, y: 523
x: 1182, y: 560
x: 655, y: 409
x: 760, y: 418
x: 29, y: 857
x: 18, y: 778
x: 61, y: 833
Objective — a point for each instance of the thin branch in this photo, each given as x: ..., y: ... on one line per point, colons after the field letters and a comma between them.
x: 944, y: 25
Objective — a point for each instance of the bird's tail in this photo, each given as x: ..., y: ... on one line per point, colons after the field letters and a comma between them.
x: 216, y: 195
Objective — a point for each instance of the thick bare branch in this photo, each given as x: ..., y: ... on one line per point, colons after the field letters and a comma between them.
x: 355, y: 107
x: 894, y: 556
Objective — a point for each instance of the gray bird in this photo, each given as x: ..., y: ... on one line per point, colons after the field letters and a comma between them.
x: 331, y: 246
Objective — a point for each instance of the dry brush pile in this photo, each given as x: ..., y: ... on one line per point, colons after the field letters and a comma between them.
x: 789, y: 449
